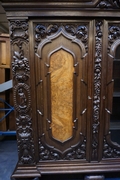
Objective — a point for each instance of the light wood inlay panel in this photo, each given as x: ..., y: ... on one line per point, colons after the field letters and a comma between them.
x: 61, y: 68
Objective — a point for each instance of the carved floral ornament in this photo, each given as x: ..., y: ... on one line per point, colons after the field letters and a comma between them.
x: 109, y: 4
x: 45, y: 33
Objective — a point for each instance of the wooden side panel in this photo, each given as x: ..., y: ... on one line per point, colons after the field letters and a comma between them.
x: 2, y: 96
x: 4, y: 51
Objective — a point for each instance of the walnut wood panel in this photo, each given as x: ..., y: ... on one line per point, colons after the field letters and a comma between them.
x: 110, y: 149
x: 39, y: 32
x: 76, y: 46
x: 61, y: 79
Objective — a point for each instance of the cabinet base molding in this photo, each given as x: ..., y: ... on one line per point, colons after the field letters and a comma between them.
x: 47, y: 168
x: 26, y: 172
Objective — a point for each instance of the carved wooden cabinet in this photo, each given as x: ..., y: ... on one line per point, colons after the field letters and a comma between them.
x: 66, y: 74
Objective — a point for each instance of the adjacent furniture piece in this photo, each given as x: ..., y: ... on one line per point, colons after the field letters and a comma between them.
x: 66, y: 75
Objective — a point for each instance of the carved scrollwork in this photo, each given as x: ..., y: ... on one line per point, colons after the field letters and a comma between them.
x: 110, y: 150
x: 74, y: 152
x: 18, y: 29
x: 78, y: 152
x: 97, y: 86
x: 114, y: 35
x: 109, y: 4
x: 43, y: 31
x: 81, y: 32
x: 46, y: 33
x: 46, y: 153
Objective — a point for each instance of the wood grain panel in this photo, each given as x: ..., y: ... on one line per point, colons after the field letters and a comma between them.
x: 61, y: 68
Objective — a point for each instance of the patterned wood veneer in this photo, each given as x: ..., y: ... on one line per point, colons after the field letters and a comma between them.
x: 61, y: 68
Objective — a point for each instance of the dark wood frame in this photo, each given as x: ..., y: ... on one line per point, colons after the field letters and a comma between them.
x: 21, y: 17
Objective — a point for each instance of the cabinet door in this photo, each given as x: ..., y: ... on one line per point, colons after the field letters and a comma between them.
x: 112, y: 114
x: 62, y: 66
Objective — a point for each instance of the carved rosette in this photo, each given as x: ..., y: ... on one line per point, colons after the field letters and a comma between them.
x: 109, y: 4
x: 97, y: 87
x: 22, y: 99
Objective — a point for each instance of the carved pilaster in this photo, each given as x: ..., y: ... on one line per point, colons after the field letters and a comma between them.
x: 97, y: 87
x: 22, y: 98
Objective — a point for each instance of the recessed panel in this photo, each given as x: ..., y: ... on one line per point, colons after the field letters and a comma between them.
x: 61, y: 80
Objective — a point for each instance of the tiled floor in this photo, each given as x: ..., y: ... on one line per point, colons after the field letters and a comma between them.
x: 8, y: 158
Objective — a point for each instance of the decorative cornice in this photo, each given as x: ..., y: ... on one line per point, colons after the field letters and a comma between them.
x: 29, y: 4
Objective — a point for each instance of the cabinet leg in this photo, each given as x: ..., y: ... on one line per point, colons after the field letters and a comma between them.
x: 94, y: 177
x: 36, y: 178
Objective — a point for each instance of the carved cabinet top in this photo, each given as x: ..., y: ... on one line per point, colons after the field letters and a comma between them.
x: 99, y: 4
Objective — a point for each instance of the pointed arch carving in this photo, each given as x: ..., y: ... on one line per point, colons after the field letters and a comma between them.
x: 111, y: 149
x: 63, y: 48
x: 114, y: 47
x: 78, y: 35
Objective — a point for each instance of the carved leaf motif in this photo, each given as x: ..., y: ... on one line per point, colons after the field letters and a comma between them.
x: 52, y: 29
x: 77, y: 153
x: 114, y: 34
x: 46, y: 153
x: 42, y: 31
x: 70, y: 29
x: 109, y: 4
x: 80, y: 32
x: 110, y: 150
x: 20, y: 63
x: 97, y: 86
